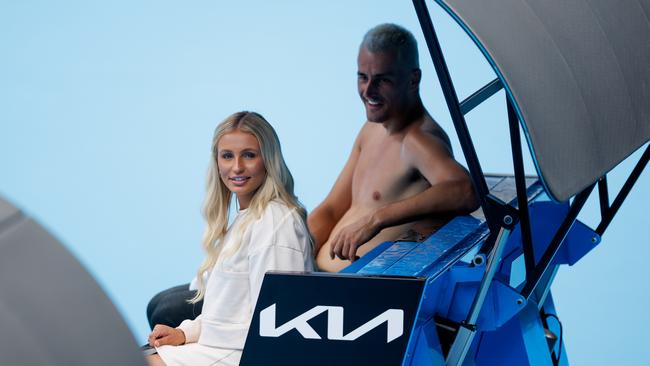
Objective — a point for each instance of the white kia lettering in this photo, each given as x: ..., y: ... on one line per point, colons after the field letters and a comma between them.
x: 394, y: 319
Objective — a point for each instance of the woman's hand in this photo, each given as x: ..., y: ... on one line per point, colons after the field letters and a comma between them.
x: 163, y: 335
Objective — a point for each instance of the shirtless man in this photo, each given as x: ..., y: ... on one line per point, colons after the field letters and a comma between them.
x: 401, y: 175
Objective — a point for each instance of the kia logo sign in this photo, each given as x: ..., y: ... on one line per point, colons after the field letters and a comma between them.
x: 394, y: 319
x: 314, y: 318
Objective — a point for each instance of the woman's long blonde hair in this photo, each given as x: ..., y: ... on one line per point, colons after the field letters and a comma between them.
x: 277, y: 185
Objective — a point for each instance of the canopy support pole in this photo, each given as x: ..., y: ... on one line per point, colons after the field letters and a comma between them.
x: 622, y: 194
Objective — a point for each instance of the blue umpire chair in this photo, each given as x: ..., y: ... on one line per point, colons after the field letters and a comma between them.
x: 434, y: 283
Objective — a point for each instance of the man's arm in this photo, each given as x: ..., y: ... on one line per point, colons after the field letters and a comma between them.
x: 323, y: 218
x: 451, y: 191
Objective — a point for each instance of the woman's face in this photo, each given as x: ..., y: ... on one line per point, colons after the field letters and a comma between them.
x: 240, y: 164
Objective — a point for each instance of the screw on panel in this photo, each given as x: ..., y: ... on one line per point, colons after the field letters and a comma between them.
x: 594, y: 239
x: 478, y: 260
x: 507, y: 219
x: 520, y: 301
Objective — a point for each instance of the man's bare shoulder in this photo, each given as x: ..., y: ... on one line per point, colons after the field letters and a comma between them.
x: 427, y: 148
x: 427, y: 137
x: 370, y: 128
x: 369, y: 132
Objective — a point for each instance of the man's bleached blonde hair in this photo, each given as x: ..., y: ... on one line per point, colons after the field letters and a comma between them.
x: 390, y: 37
x: 278, y: 185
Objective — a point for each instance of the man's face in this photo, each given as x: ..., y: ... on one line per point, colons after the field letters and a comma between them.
x: 384, y: 85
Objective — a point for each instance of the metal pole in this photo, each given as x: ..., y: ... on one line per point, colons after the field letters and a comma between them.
x: 467, y: 330
x: 480, y: 96
x: 520, y: 184
x: 534, y: 277
x: 625, y: 190
x: 452, y: 103
x: 603, y: 197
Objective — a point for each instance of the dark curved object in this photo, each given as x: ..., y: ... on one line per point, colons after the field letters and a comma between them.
x: 579, y: 77
x: 52, y: 312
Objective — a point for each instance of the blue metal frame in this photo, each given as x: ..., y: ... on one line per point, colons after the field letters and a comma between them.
x: 540, y: 265
x: 533, y: 277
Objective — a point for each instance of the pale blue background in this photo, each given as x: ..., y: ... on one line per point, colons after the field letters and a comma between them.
x: 107, y: 111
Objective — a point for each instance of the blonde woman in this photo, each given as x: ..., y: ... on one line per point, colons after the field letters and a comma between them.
x: 268, y: 233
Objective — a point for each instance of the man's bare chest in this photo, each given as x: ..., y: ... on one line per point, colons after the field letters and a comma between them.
x: 382, y: 174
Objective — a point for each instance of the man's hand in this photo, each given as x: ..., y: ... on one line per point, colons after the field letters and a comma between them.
x: 163, y: 335
x: 345, y: 243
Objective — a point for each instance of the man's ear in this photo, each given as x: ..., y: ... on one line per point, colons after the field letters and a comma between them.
x: 416, y: 76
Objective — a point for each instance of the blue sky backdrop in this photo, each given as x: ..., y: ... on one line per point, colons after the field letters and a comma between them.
x: 107, y: 111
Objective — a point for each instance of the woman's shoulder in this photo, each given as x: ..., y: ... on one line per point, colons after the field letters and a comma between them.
x: 277, y: 211
x: 282, y: 222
